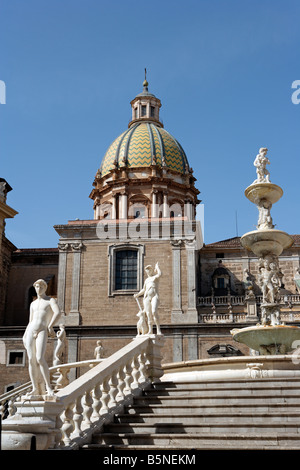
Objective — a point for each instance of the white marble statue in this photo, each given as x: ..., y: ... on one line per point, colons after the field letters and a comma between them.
x: 151, y: 298
x: 61, y: 336
x: 44, y: 313
x: 142, y: 325
x: 269, y: 280
x: 264, y: 217
x: 297, y: 280
x: 98, y: 350
x: 260, y: 162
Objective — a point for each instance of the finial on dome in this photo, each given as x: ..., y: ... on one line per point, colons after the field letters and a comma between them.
x: 145, y: 83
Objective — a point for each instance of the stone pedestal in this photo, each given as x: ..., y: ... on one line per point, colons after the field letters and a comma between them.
x: 35, y: 417
x: 155, y: 357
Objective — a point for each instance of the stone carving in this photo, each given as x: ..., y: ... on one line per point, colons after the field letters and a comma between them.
x: 76, y: 247
x: 260, y: 162
x: 61, y: 336
x: 297, y: 280
x: 98, y: 350
x: 142, y: 325
x: 255, y: 371
x: 270, y: 336
x: 264, y: 217
x: 248, y: 285
x: 63, y: 247
x: 44, y: 313
x: 269, y: 279
x: 150, y: 302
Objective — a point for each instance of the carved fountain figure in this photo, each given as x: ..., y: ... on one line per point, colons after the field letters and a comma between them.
x: 267, y: 243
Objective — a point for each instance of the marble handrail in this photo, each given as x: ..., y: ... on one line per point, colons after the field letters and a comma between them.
x: 68, y: 419
x: 91, y: 400
x: 59, y: 378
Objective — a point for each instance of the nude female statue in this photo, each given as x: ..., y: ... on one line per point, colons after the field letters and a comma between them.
x: 44, y: 313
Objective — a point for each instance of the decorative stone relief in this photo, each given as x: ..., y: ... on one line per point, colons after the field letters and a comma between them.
x: 255, y: 371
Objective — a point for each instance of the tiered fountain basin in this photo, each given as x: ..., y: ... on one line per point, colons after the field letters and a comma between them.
x: 263, y: 242
x: 258, y: 337
x: 233, y: 368
x: 268, y: 191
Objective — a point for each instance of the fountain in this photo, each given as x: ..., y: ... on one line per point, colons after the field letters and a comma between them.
x: 270, y: 336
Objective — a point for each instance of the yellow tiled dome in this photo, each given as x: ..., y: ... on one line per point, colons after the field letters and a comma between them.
x: 143, y: 145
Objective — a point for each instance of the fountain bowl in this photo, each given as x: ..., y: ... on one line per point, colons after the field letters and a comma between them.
x: 258, y: 191
x: 259, y: 336
x: 264, y: 242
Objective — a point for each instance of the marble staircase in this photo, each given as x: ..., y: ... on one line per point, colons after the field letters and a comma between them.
x: 237, y: 414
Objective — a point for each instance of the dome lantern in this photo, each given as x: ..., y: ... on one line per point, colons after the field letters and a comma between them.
x: 145, y: 106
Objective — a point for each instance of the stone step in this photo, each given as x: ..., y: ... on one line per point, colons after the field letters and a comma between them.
x: 230, y: 384
x: 243, y: 427
x: 212, y: 417
x: 199, y: 440
x: 225, y: 392
x: 183, y: 447
x: 168, y: 409
x: 223, y: 398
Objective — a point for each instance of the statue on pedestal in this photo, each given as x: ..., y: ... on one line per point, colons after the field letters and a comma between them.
x: 98, y: 350
x: 44, y: 313
x: 61, y: 336
x: 260, y: 162
x: 150, y: 300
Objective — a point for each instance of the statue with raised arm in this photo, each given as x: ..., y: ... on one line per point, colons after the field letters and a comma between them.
x: 260, y: 162
x: 44, y: 313
x: 151, y: 298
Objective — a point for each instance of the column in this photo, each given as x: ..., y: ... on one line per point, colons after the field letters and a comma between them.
x: 176, y: 280
x: 61, y: 283
x: 192, y: 346
x: 154, y: 207
x: 177, y: 347
x: 74, y: 314
x: 165, y: 205
x: 72, y: 355
x: 124, y: 205
x: 114, y: 207
x: 192, y: 313
x: 188, y: 209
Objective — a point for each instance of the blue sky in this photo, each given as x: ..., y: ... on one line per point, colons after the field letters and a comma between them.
x: 223, y: 70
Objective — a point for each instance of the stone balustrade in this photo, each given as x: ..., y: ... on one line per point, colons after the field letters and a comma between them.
x: 241, y: 309
x: 59, y: 379
x: 82, y: 407
x: 293, y: 299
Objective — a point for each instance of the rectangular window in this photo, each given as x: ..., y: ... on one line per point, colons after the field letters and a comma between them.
x: 144, y: 109
x: 152, y: 111
x: 16, y: 358
x: 126, y: 270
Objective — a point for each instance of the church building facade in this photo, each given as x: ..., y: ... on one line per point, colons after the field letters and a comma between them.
x: 144, y: 198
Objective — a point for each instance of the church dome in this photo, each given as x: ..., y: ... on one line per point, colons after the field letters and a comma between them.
x: 144, y: 172
x: 144, y: 144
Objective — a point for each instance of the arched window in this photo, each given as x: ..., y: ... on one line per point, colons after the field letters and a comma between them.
x: 221, y: 281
